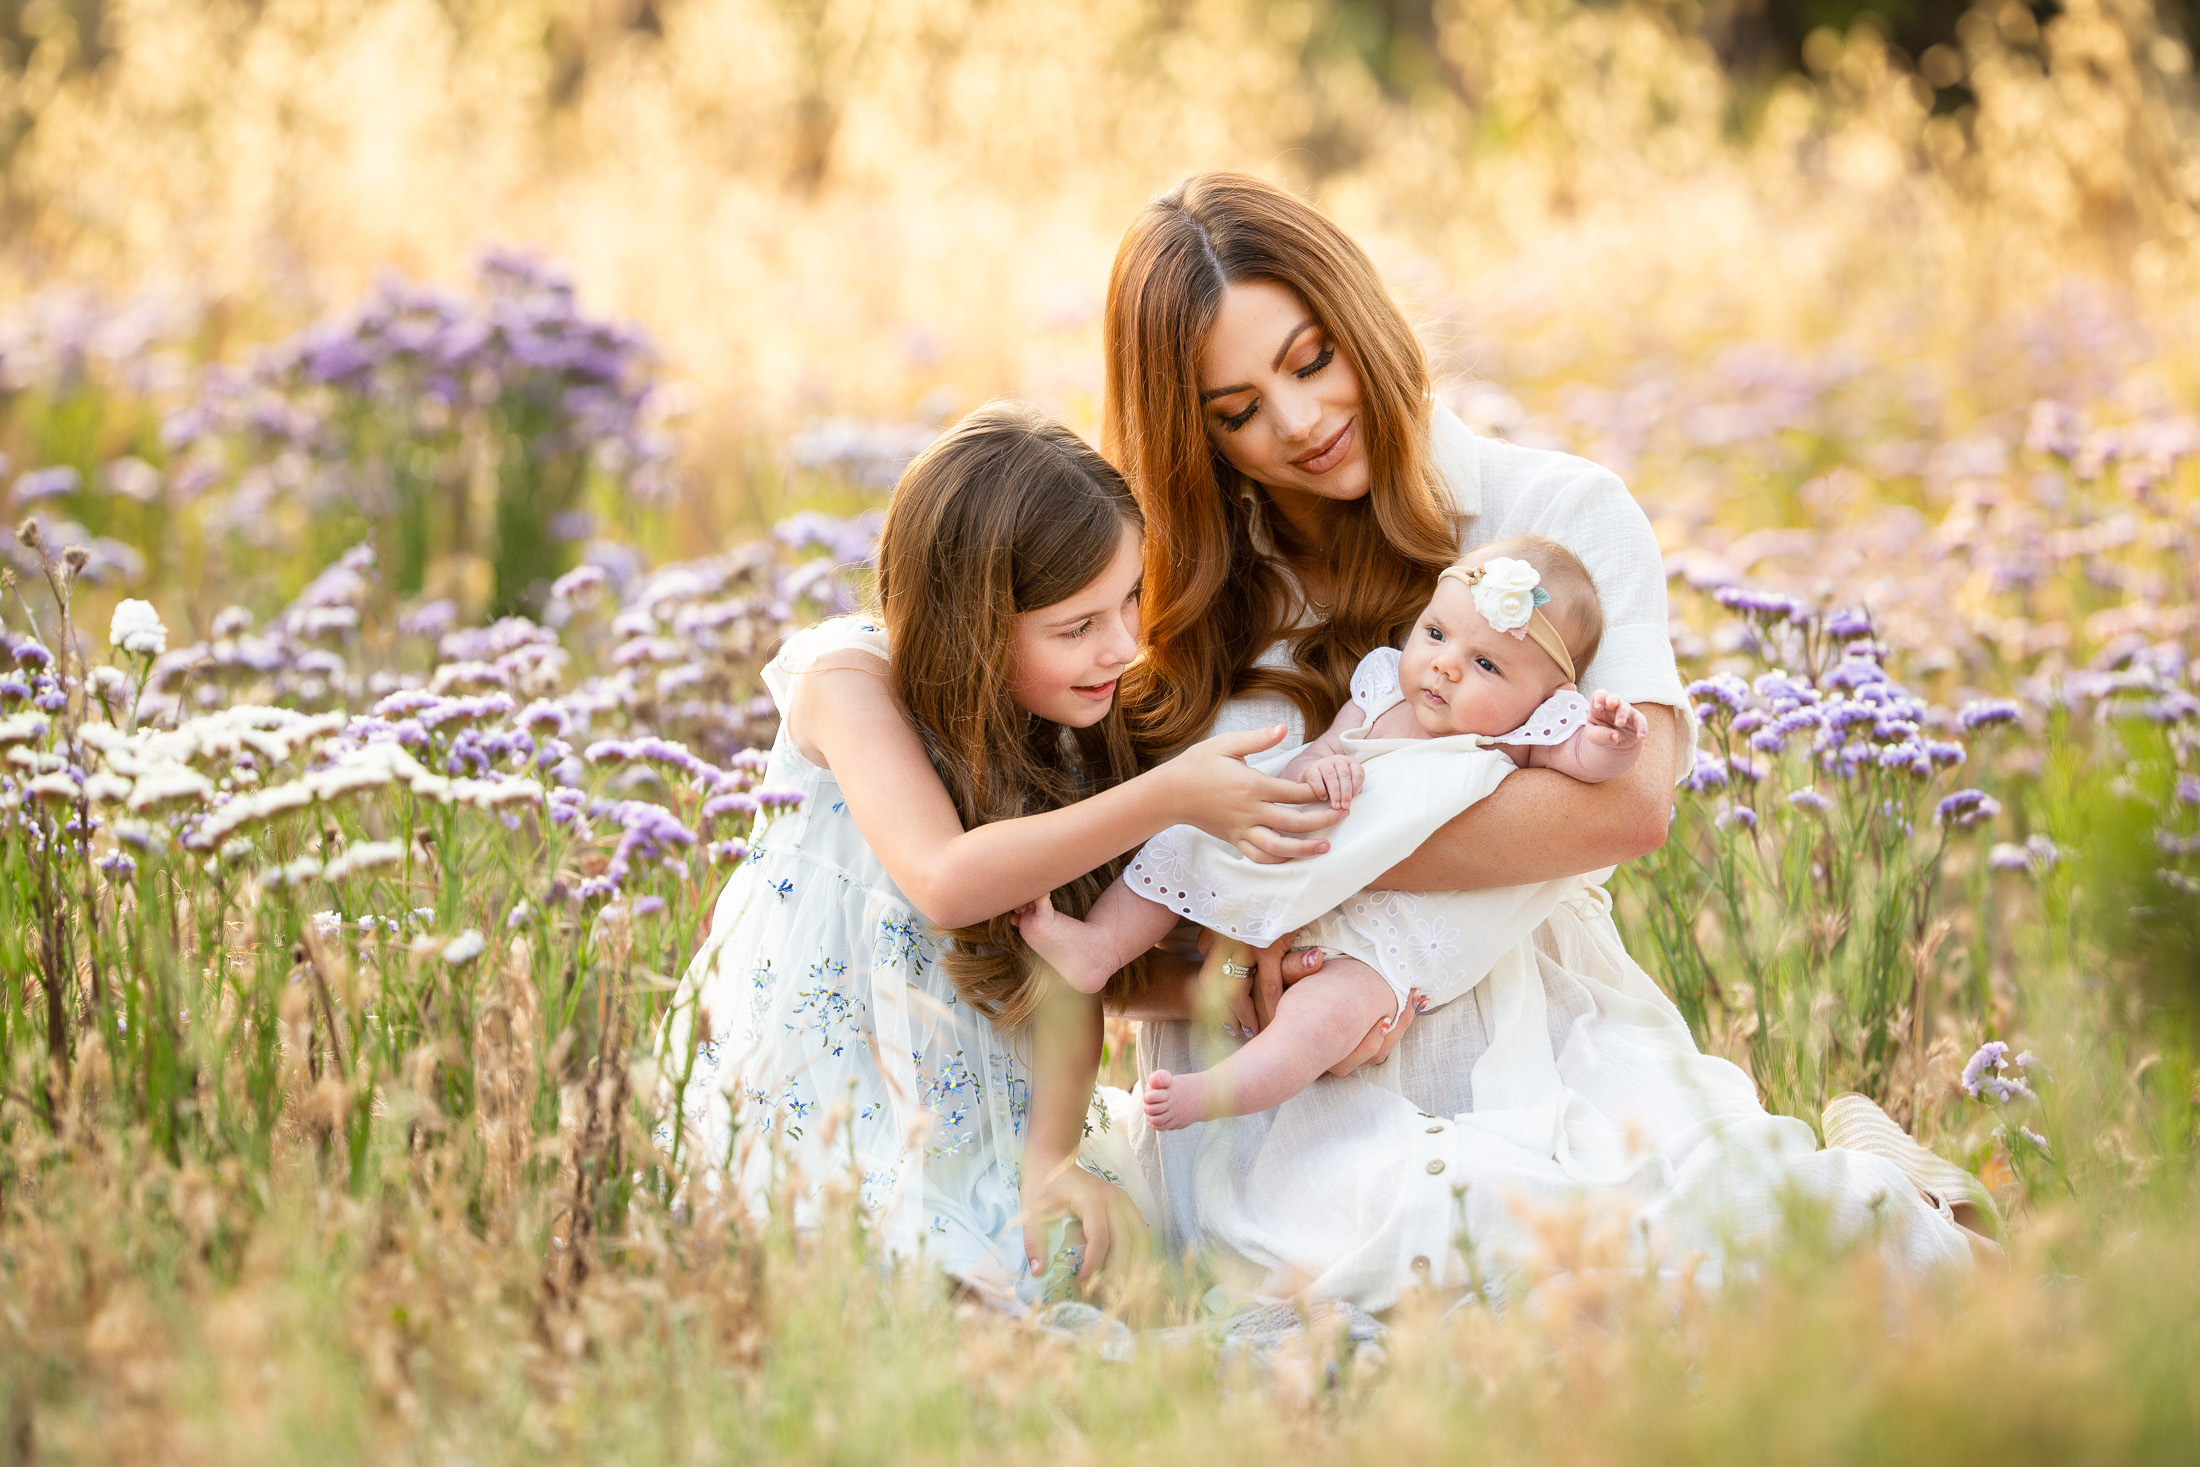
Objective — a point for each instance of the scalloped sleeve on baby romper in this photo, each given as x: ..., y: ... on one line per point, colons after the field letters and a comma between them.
x: 1375, y: 685
x: 800, y: 652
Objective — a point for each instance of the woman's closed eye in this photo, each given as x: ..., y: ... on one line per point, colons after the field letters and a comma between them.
x: 1327, y: 355
x: 1236, y: 421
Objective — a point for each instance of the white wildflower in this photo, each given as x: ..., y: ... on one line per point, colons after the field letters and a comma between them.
x: 296, y: 873
x: 464, y: 948
x: 164, y: 784
x: 137, y: 629
x: 36, y: 761
x: 106, y: 789
x: 108, y: 682
x: 58, y: 788
x: 365, y: 856
x: 489, y: 794
x: 22, y: 728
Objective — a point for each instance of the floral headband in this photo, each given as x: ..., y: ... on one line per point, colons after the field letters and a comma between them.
x: 1510, y: 596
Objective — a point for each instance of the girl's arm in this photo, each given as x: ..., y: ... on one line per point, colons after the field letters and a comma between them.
x: 1065, y: 1063
x: 1540, y: 825
x: 846, y: 719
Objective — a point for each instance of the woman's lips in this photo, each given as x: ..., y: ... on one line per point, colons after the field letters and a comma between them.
x: 1097, y: 691
x: 1327, y: 456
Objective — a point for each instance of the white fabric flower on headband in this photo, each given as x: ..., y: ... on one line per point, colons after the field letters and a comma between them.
x: 1508, y: 592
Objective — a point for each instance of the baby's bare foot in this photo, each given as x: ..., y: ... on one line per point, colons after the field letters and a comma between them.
x: 1175, y: 1101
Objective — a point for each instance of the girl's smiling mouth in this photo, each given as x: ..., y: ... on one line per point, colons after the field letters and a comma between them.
x: 1096, y: 691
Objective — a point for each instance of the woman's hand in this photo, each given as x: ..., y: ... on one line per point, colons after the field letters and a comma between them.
x: 1109, y: 1217
x: 1267, y: 818
x: 1280, y: 965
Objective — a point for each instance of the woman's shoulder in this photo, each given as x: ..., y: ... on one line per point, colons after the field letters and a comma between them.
x: 1489, y: 475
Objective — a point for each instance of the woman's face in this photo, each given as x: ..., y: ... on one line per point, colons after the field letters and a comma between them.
x: 1281, y: 402
x: 1068, y: 656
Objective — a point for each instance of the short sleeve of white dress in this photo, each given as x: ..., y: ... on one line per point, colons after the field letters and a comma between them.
x: 800, y: 652
x: 1375, y: 686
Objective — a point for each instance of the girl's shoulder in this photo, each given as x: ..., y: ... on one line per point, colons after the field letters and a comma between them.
x: 805, y: 649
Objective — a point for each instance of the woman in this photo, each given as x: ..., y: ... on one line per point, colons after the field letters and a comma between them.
x: 1270, y: 406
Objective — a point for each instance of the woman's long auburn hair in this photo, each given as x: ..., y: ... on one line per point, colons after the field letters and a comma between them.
x: 1213, y: 601
x: 1008, y: 512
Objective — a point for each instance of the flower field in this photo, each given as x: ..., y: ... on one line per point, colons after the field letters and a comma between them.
x: 380, y: 709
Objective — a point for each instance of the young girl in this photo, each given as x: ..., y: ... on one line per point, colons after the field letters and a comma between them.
x: 1487, y: 669
x: 863, y: 1008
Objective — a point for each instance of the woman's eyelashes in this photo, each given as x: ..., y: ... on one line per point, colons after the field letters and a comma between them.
x: 1323, y: 358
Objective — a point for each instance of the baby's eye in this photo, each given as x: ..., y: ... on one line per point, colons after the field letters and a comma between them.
x: 1435, y: 633
x: 1485, y: 664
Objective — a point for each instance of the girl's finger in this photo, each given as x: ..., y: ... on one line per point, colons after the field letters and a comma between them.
x: 1271, y: 848
x: 1249, y: 741
x: 1297, y: 819
x: 1097, y: 1239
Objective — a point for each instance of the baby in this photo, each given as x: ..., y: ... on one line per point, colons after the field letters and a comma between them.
x: 1494, y: 656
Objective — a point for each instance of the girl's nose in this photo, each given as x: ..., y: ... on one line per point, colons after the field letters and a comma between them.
x: 1119, y: 646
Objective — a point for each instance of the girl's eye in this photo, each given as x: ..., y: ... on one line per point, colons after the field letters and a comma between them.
x: 1078, y: 630
x: 1328, y: 354
x: 1238, y: 420
x: 1485, y: 664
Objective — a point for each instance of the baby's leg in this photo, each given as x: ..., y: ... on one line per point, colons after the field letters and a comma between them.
x: 1319, y: 1021
x: 1121, y: 925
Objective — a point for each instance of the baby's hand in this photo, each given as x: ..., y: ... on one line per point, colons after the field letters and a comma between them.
x: 1615, y: 723
x: 1335, y: 778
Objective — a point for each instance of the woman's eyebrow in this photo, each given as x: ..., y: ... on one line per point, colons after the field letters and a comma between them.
x: 1275, y: 366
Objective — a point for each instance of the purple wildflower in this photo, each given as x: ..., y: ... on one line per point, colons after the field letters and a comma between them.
x: 648, y: 906
x: 1987, y: 713
x: 1809, y: 799
x: 1768, y: 605
x: 1740, y: 817
x: 1848, y: 622
x: 1965, y: 809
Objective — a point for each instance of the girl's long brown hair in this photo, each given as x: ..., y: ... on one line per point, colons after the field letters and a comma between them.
x: 1213, y: 601
x: 1007, y: 513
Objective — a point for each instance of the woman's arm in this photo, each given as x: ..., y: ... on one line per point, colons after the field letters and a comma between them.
x: 1539, y: 825
x: 848, y: 716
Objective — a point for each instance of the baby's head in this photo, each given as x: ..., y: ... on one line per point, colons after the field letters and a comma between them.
x: 1465, y: 673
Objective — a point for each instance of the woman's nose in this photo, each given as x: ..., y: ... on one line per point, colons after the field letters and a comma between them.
x: 1296, y: 415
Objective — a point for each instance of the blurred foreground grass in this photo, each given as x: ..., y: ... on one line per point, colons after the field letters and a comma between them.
x: 328, y: 1121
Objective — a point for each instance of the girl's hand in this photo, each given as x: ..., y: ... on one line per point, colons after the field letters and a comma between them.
x: 1109, y: 1217
x: 1269, y: 819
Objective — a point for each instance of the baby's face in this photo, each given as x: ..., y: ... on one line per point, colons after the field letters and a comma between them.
x: 1463, y: 676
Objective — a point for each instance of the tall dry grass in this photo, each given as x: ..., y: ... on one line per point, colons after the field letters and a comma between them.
x: 1811, y: 309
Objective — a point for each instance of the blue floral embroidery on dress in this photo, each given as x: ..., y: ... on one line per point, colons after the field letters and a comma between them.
x: 782, y: 886
x: 826, y: 1008
x: 901, y: 942
x: 948, y: 1093
x: 839, y: 806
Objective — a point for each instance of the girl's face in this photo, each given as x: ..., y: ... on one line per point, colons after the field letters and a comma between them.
x: 1282, y: 403
x: 1463, y: 676
x: 1068, y: 656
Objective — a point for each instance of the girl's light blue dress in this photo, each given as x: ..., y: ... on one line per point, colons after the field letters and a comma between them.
x: 838, y: 1055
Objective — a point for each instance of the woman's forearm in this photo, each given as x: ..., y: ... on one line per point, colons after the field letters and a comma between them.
x: 1539, y: 825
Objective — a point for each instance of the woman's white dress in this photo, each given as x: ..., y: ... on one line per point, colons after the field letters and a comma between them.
x: 837, y: 1040
x: 1565, y: 1091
